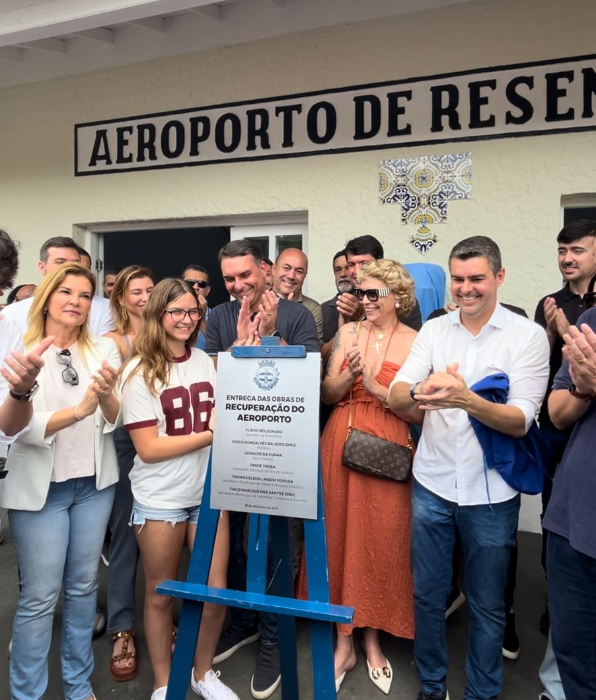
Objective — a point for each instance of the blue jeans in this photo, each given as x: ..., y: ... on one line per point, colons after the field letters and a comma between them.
x: 549, y: 674
x: 58, y: 547
x: 488, y: 537
x: 572, y: 604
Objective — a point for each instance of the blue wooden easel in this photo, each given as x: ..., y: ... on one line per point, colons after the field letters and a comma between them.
x: 278, y: 598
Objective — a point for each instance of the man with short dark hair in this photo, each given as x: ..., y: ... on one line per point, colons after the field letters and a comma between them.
x: 52, y: 254
x: 455, y: 489
x: 9, y: 261
x: 109, y: 279
x: 289, y: 273
x: 576, y: 250
x: 255, y: 312
x: 255, y: 309
x: 268, y: 273
x: 20, y: 293
x: 85, y: 258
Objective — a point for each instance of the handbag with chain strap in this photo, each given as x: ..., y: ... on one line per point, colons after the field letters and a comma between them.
x: 369, y: 454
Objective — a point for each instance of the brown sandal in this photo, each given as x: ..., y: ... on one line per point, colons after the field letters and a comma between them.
x: 126, y: 673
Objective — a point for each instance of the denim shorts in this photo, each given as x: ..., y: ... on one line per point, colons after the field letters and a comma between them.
x: 142, y: 513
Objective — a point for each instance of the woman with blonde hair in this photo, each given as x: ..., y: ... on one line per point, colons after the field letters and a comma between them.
x: 168, y: 390
x: 368, y: 518
x: 60, y: 486
x: 130, y: 294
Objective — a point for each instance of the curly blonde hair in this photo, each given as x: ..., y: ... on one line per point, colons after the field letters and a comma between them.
x: 396, y: 277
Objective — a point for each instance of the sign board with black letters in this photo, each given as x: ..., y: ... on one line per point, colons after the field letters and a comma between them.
x: 528, y: 99
x: 266, y: 436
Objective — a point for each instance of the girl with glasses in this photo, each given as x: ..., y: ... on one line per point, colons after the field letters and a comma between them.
x: 368, y: 518
x: 167, y: 396
x: 60, y: 486
x: 130, y: 293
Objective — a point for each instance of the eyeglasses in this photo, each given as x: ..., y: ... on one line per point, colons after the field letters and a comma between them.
x: 372, y: 294
x: 199, y: 283
x: 69, y: 375
x: 589, y: 299
x: 180, y: 314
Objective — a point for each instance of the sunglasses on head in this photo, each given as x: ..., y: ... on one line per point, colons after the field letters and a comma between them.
x: 589, y: 299
x: 69, y: 374
x: 372, y: 294
x: 200, y: 283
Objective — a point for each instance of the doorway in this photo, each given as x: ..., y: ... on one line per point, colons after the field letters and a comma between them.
x: 168, y: 251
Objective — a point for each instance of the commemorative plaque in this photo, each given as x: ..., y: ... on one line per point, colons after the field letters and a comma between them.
x: 266, y: 436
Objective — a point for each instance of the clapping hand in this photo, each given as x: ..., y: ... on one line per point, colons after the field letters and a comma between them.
x: 243, y: 323
x: 580, y: 351
x: 355, y: 360
x: 24, y: 368
x: 349, y: 307
x: 268, y: 310
x: 556, y: 321
x: 443, y: 390
x: 104, y: 381
x: 252, y: 333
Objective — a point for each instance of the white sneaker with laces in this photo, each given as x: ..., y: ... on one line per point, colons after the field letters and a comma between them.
x: 212, y: 688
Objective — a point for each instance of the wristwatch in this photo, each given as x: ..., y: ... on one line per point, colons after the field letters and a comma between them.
x: 25, y: 397
x: 413, y: 391
x: 578, y: 395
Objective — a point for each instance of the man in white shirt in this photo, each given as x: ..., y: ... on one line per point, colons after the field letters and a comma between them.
x: 453, y: 491
x: 53, y: 253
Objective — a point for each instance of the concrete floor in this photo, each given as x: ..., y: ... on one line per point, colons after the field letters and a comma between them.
x: 521, y: 676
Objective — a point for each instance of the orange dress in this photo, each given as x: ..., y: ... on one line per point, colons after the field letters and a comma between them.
x: 367, y: 521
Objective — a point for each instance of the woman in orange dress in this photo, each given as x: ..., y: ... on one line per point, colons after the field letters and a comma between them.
x: 367, y: 517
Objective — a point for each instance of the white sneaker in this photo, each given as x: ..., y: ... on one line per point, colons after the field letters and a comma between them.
x: 159, y: 693
x: 211, y: 688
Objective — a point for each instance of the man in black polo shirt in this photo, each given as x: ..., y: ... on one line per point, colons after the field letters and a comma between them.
x: 254, y: 313
x: 555, y: 313
x: 243, y: 270
x: 571, y: 515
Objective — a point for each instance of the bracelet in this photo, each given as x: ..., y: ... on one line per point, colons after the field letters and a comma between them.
x: 75, y: 413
